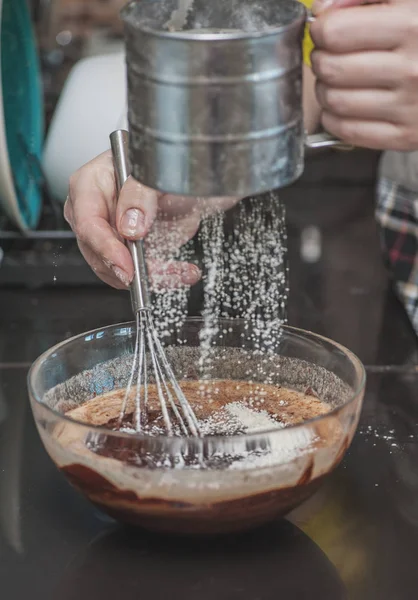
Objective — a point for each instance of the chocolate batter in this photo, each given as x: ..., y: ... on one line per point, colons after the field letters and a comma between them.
x: 235, y: 489
x: 209, y: 399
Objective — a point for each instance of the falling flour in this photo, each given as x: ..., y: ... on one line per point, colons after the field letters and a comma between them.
x: 243, y: 261
x: 245, y: 276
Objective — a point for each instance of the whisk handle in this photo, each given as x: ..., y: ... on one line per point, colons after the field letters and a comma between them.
x: 139, y: 287
x: 119, y: 142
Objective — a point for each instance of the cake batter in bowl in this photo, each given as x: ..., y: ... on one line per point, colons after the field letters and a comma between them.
x: 275, y: 425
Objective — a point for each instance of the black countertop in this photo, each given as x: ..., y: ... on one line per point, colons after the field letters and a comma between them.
x: 357, y: 538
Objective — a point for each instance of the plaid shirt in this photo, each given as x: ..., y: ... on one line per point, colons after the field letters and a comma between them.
x: 397, y: 215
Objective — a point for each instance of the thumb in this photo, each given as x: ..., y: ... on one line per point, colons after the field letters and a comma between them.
x: 136, y: 209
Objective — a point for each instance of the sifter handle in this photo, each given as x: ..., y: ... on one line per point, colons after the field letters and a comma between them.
x: 140, y: 298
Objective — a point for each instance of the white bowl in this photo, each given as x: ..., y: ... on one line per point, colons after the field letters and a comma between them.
x: 93, y: 103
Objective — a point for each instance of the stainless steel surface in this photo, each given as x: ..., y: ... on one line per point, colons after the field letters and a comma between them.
x: 325, y: 140
x: 139, y: 287
x: 149, y: 363
x: 210, y: 113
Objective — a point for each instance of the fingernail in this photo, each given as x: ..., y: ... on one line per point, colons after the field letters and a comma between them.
x: 321, y: 5
x: 132, y: 223
x: 122, y: 276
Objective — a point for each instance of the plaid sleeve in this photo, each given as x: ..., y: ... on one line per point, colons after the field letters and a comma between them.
x: 397, y: 216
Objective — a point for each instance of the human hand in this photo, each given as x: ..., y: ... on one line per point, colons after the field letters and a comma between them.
x: 366, y: 65
x: 101, y: 222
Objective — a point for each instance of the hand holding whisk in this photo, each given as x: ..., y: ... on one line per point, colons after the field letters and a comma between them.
x: 150, y: 364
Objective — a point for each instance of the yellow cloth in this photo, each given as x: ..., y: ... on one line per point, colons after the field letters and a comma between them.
x: 307, y: 42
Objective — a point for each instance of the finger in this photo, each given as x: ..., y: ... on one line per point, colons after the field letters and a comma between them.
x: 375, y: 135
x: 171, y: 207
x: 373, y: 105
x: 111, y: 281
x: 90, y: 210
x: 357, y: 70
x: 103, y: 241
x: 374, y: 27
x: 322, y: 5
x: 166, y: 237
x: 212, y: 206
x: 172, y: 275
x: 136, y: 209
x: 162, y: 275
x: 102, y: 271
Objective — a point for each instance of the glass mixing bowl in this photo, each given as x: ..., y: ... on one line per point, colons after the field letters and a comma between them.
x: 276, y: 469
